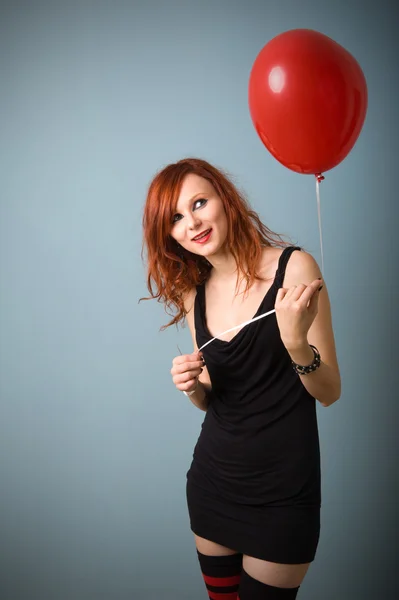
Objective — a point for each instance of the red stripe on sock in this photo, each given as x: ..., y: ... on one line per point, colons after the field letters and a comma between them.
x: 215, y: 596
x: 222, y: 581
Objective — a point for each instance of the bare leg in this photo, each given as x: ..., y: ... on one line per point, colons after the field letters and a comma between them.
x: 210, y: 548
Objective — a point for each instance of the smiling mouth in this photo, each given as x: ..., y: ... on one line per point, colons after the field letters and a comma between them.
x: 201, y: 235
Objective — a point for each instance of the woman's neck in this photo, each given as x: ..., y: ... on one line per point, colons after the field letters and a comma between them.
x: 224, y: 267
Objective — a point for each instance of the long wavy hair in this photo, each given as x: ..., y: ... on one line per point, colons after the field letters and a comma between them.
x: 172, y: 271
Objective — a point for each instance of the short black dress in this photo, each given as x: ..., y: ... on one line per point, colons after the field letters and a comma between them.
x: 254, y: 483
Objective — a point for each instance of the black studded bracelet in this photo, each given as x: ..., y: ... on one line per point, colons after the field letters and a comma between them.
x: 301, y: 370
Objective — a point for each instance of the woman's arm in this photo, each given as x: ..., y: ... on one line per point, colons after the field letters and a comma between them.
x: 324, y: 383
x: 200, y: 398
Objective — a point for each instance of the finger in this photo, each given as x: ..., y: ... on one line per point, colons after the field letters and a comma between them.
x: 186, y: 358
x: 183, y: 380
x: 311, y: 291
x: 296, y: 292
x: 316, y: 284
x: 187, y: 367
x: 185, y: 377
x: 181, y: 367
x: 281, y: 293
x: 314, y: 300
x: 188, y: 386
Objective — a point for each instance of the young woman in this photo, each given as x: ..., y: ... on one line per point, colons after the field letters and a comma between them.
x: 253, y: 488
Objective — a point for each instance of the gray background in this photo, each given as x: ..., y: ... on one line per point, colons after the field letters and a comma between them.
x: 95, y: 441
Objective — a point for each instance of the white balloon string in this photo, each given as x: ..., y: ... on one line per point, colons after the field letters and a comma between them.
x: 238, y: 327
x: 319, y: 178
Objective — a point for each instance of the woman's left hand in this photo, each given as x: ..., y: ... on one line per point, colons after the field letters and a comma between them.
x: 296, y: 309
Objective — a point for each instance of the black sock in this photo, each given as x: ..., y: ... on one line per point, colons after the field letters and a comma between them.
x: 252, y: 589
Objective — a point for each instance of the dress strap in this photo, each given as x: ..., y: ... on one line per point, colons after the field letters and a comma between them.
x: 199, y: 306
x: 282, y: 264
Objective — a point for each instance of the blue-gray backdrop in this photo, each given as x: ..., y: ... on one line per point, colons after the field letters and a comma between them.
x: 95, y: 441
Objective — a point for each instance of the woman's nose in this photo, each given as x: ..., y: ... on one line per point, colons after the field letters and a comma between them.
x: 193, y: 221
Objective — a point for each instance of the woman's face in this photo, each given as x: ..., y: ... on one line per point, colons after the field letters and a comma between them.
x: 199, y: 224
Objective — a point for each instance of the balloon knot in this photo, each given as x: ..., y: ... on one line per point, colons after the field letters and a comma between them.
x: 319, y: 177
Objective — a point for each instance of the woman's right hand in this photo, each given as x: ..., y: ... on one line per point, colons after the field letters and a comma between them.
x: 186, y: 369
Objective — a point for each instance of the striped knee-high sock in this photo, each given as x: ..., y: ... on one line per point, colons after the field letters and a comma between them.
x: 221, y: 575
x: 252, y: 589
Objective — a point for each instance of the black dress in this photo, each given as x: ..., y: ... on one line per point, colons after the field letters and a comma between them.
x: 254, y: 483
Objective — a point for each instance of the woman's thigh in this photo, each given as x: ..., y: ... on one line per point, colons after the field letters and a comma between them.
x: 275, y: 574
x: 211, y: 548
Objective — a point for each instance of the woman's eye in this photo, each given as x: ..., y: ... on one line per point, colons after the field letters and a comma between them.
x: 197, y: 204
x: 200, y: 201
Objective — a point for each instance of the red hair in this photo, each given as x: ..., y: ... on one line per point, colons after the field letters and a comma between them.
x: 173, y: 270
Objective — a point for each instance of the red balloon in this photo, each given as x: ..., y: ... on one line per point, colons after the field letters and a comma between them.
x: 307, y: 100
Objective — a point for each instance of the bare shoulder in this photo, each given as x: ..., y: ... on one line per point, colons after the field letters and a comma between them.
x: 269, y: 261
x: 272, y: 253
x: 301, y: 268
